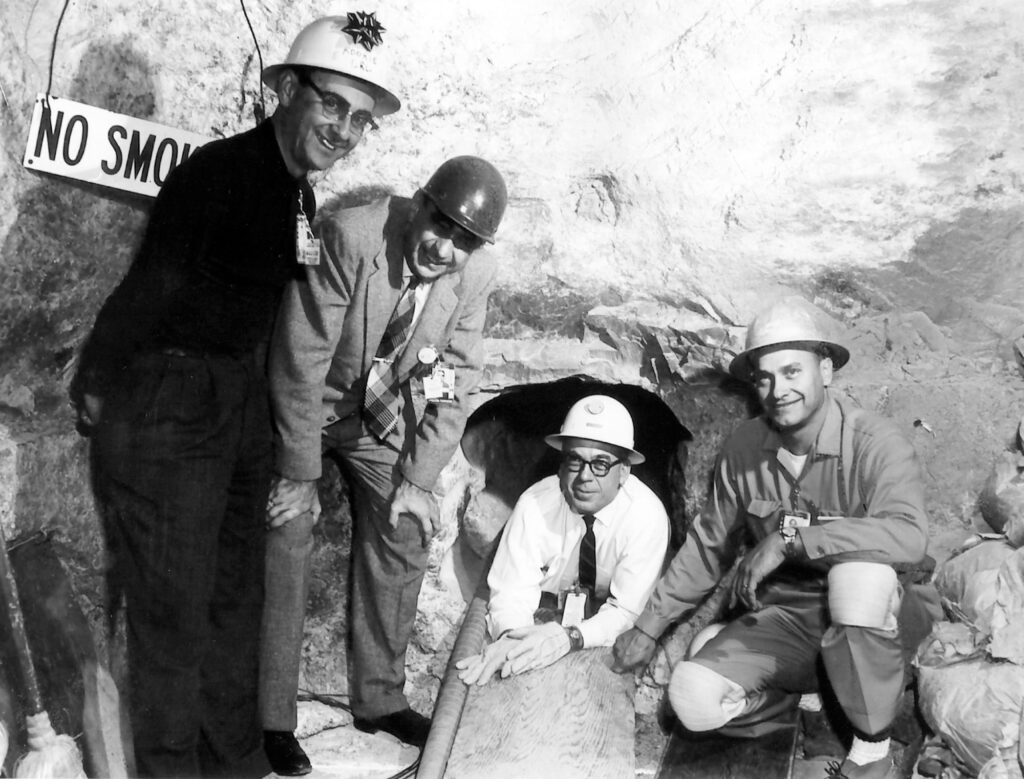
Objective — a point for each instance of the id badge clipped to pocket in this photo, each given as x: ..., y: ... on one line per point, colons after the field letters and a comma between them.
x: 439, y: 386
x: 796, y: 519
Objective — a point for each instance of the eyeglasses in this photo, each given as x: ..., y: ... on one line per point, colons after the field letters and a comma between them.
x: 600, y: 467
x: 337, y: 108
x: 448, y: 228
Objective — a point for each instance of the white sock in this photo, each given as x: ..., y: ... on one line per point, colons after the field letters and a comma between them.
x: 810, y: 701
x: 864, y: 752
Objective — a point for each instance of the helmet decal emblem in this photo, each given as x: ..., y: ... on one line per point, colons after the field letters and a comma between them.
x: 594, y: 407
x: 364, y: 29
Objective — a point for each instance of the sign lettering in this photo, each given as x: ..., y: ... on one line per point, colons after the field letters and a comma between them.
x: 90, y: 144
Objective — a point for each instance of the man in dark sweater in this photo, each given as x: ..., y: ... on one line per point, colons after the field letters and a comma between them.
x: 172, y: 387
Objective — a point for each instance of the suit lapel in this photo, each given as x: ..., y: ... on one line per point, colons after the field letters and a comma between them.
x: 432, y: 322
x: 380, y: 297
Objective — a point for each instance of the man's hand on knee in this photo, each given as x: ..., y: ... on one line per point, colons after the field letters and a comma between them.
x: 632, y: 649
x: 418, y: 503
x: 289, y: 499
x: 479, y: 669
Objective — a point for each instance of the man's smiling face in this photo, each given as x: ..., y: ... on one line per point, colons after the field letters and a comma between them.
x: 790, y: 384
x: 312, y: 140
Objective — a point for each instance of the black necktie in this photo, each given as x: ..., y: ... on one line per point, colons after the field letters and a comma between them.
x: 588, y: 558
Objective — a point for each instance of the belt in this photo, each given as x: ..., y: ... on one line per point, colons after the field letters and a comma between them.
x: 200, y: 354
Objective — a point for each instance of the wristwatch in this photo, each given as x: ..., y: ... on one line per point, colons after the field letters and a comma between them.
x: 575, y: 638
x: 788, y: 533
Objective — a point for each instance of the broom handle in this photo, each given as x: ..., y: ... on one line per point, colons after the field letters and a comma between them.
x: 17, y: 620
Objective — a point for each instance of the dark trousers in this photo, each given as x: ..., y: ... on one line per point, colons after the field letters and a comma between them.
x: 773, y: 655
x: 183, y: 471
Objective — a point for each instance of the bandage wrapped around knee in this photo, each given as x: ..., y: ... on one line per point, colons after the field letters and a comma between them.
x: 705, y: 635
x: 704, y: 699
x: 865, y: 595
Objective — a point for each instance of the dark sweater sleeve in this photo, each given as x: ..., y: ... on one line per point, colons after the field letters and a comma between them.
x: 127, y: 321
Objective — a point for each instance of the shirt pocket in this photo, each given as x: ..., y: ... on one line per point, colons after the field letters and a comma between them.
x: 762, y: 517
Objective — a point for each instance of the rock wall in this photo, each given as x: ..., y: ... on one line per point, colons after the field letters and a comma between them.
x: 672, y: 166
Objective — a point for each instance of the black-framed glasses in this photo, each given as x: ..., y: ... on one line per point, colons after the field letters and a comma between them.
x: 446, y: 227
x: 336, y: 108
x: 599, y: 466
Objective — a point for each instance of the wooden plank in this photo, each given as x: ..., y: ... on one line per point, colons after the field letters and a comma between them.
x: 574, y: 718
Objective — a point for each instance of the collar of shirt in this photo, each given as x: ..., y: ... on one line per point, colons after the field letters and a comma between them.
x: 267, y: 141
x: 606, y: 516
x: 602, y: 520
x: 421, y: 293
x: 829, y: 437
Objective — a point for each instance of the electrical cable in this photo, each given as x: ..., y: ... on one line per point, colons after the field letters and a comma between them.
x: 336, y: 700
x: 53, y: 52
x: 261, y: 110
x: 407, y: 772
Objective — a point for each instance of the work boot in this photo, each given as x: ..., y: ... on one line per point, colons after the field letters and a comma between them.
x: 286, y: 757
x: 877, y: 769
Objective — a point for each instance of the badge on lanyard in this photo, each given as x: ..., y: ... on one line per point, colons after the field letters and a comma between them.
x: 575, y: 608
x: 307, y: 245
x: 796, y: 519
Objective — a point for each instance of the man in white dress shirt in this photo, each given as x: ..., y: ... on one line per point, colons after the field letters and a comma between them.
x: 581, y: 552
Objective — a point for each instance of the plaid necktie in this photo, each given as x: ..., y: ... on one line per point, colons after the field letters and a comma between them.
x: 380, y: 403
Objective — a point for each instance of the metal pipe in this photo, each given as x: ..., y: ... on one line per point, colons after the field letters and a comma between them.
x: 452, y: 696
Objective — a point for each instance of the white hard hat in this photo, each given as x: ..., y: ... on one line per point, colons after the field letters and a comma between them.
x: 602, y: 419
x: 350, y: 45
x: 791, y: 321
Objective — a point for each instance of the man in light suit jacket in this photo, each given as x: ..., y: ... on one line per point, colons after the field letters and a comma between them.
x: 335, y: 339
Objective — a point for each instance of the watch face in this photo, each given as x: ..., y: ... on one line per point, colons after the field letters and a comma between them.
x: 575, y: 638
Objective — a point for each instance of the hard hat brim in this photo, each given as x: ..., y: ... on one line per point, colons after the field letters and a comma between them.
x: 384, y: 102
x: 742, y: 368
x: 631, y: 456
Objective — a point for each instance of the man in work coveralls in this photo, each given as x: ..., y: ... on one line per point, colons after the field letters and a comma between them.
x: 828, y: 500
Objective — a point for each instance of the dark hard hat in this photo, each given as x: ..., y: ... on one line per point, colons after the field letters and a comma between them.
x: 470, y: 192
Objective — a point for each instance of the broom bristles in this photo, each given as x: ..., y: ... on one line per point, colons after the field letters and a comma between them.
x: 4, y: 742
x: 49, y: 755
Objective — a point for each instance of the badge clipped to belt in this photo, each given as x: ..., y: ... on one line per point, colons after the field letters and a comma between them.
x: 439, y: 384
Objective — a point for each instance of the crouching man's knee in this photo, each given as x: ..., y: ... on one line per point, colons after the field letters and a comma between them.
x: 863, y: 595
x: 704, y: 699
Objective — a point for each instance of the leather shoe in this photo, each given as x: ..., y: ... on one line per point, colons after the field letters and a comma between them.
x: 284, y: 753
x: 406, y: 725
